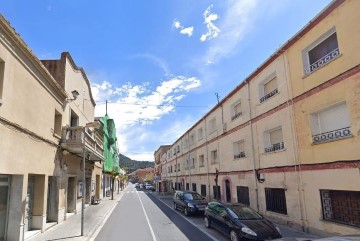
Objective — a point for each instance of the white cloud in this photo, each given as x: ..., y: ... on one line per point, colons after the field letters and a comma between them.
x: 212, y: 30
x: 234, y: 24
x: 135, y: 107
x: 186, y: 31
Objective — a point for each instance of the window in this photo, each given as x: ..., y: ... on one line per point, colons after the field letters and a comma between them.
x: 57, y: 123
x: 341, y: 206
x: 321, y: 52
x: 2, y: 74
x: 192, y: 139
x: 201, y: 161
x: 187, y: 186
x: 178, y: 149
x: 194, y: 187
x: 175, y: 168
x: 178, y: 167
x: 269, y: 88
x: 217, y: 193
x: 200, y: 133
x: 203, y: 190
x: 243, y: 195
x: 214, y: 156
x: 212, y: 125
x: 239, y: 149
x: 74, y: 119
x: 236, y: 110
x: 275, y: 200
x: 193, y: 161
x: 274, y: 140
x: 330, y: 124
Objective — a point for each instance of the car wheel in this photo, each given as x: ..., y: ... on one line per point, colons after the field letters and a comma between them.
x: 234, y: 236
x: 207, y: 222
x: 175, y: 206
x: 186, y: 211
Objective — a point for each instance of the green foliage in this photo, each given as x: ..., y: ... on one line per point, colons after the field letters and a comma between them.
x: 131, y: 165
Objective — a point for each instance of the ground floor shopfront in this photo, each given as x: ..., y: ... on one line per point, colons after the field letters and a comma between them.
x: 32, y: 203
x: 323, y: 198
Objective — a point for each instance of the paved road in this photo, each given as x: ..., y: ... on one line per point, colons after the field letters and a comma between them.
x: 140, y: 216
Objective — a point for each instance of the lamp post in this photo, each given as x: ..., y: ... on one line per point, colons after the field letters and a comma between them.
x: 95, y: 125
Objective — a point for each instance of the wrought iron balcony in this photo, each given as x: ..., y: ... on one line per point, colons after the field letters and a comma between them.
x: 265, y: 97
x: 332, y: 135
x: 275, y: 147
x: 239, y: 155
x: 72, y: 140
x: 322, y: 61
x: 236, y: 115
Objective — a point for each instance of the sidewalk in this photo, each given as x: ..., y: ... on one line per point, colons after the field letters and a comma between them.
x: 95, y: 217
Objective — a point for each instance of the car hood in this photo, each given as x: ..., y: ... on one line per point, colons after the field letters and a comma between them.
x: 263, y: 228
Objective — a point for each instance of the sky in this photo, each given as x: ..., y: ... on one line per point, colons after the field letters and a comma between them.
x: 160, y: 64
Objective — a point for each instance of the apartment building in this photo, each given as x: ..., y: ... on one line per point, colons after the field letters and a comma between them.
x: 286, y: 140
x: 45, y: 142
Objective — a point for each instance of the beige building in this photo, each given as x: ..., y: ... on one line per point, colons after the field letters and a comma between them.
x: 286, y: 140
x: 42, y: 139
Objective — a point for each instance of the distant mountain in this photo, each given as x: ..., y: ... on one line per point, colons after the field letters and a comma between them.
x: 131, y: 165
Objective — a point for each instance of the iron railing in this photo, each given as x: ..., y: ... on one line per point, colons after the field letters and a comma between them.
x: 239, y: 155
x: 322, y: 61
x: 236, y: 115
x: 275, y: 147
x: 332, y: 135
x: 267, y: 96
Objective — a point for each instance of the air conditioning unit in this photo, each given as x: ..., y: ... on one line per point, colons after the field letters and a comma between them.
x: 224, y: 127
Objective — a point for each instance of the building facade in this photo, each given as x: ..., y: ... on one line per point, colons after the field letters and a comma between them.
x: 44, y: 139
x: 285, y: 140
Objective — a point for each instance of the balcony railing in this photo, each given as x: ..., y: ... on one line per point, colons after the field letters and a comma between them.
x: 236, y: 116
x: 239, y: 155
x: 72, y: 140
x: 332, y: 135
x: 267, y: 96
x: 275, y: 147
x: 322, y: 61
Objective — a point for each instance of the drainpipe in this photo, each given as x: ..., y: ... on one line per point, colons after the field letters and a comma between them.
x: 253, y: 149
x: 301, y: 192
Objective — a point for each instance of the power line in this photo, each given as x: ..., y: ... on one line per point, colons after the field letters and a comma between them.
x: 161, y: 105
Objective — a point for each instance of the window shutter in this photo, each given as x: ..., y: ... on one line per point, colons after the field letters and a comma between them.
x: 333, y: 118
x: 237, y: 108
x: 270, y: 86
x: 276, y: 137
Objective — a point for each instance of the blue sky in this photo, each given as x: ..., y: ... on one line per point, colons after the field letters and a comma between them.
x: 159, y: 63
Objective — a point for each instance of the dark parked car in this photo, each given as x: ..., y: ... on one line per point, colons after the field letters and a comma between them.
x: 239, y: 222
x: 189, y: 202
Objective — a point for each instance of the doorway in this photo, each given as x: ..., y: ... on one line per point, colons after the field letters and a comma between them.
x: 71, y: 195
x: 29, y: 203
x: 4, y: 200
x: 228, y: 191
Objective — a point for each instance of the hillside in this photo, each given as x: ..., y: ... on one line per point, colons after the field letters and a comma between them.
x: 131, y: 165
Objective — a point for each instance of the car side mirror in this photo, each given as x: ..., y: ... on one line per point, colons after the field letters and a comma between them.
x: 224, y: 216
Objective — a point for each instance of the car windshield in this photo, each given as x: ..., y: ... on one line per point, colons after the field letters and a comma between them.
x: 192, y: 196
x: 244, y: 213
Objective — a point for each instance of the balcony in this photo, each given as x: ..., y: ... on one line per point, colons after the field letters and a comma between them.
x: 332, y: 135
x: 275, y: 147
x: 239, y: 155
x: 322, y: 61
x: 72, y: 140
x: 267, y: 96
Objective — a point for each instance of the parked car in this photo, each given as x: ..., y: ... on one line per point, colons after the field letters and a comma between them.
x: 148, y: 186
x: 189, y: 202
x: 239, y: 222
x: 137, y: 185
x: 334, y: 238
x: 141, y: 185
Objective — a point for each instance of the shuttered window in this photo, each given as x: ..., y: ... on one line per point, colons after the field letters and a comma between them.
x: 276, y: 136
x: 270, y: 86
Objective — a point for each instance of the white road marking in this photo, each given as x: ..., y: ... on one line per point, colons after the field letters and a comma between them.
x: 147, y: 219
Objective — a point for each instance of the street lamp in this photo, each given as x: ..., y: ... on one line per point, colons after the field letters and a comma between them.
x: 95, y: 125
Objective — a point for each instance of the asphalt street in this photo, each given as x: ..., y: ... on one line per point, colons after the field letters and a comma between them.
x: 139, y: 216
